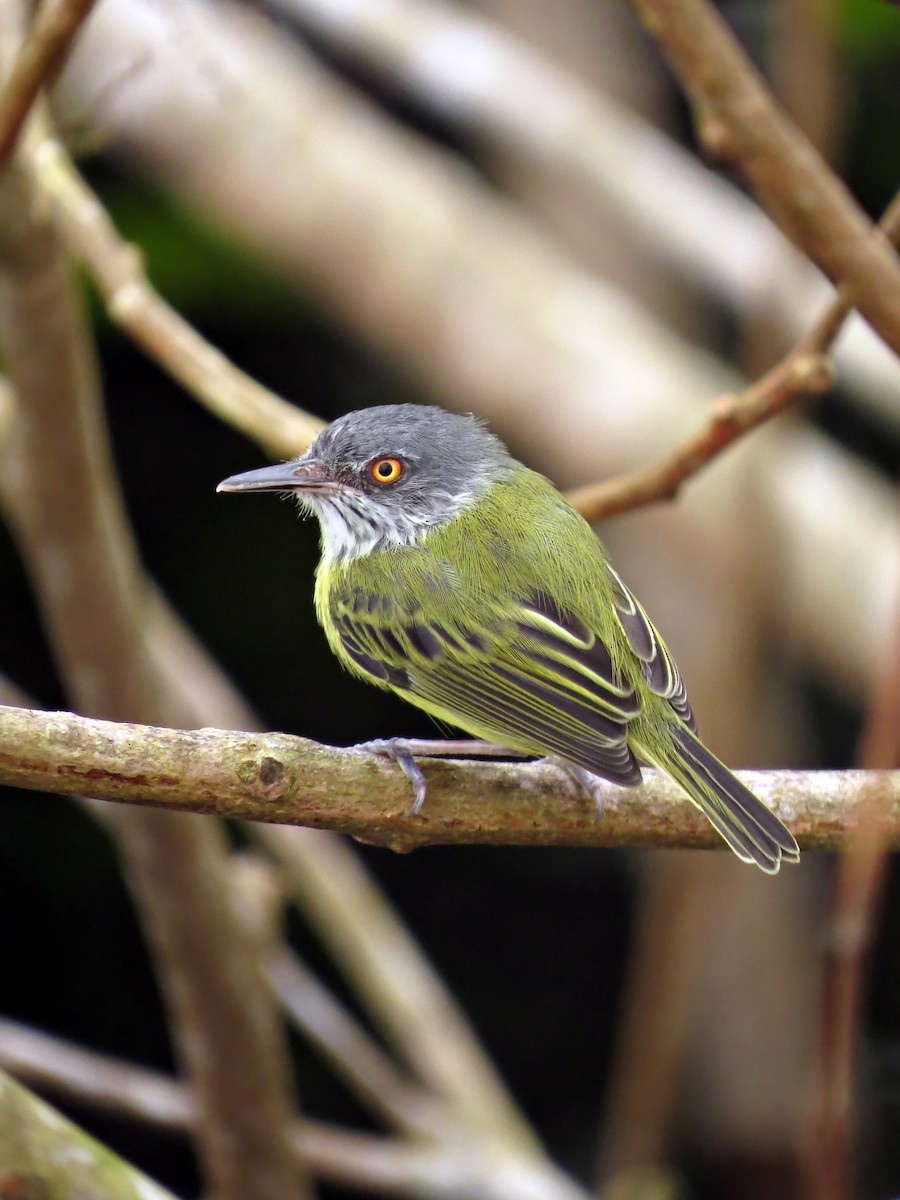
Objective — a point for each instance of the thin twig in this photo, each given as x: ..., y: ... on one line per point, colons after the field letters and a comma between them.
x: 117, y: 268
x: 278, y: 778
x: 732, y: 416
x: 403, y: 993
x: 803, y: 372
x: 87, y: 1077
x: 738, y: 119
x: 38, y: 62
x: 352, y: 1052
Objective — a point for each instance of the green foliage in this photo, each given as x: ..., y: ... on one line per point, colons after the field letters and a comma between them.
x: 869, y: 30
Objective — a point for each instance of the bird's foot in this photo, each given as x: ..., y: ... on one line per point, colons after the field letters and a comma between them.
x: 583, y: 780
x: 399, y: 750
x: 404, y: 751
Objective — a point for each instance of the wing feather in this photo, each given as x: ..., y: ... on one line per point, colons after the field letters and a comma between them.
x: 656, y: 664
x: 537, y: 680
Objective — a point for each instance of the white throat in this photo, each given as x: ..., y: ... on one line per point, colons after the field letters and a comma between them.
x: 350, y: 529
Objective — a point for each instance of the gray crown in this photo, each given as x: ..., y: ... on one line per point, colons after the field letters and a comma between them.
x: 449, y: 461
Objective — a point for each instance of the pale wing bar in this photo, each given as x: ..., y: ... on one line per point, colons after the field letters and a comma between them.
x: 657, y: 667
x: 550, y: 685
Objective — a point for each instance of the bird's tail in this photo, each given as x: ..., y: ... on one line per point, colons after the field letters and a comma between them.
x: 753, y: 832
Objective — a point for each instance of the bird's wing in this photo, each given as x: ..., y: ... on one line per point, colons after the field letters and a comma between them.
x: 655, y: 663
x: 531, y: 677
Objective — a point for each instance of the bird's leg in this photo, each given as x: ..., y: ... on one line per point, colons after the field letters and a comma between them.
x: 403, y: 751
x: 439, y: 748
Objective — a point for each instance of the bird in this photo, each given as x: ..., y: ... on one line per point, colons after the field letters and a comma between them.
x: 459, y: 578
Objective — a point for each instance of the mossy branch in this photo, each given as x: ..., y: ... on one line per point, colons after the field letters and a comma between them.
x: 45, y: 1157
x: 279, y: 778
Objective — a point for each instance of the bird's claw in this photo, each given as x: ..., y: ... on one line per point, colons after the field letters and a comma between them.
x: 398, y: 751
x: 403, y: 752
x: 584, y: 780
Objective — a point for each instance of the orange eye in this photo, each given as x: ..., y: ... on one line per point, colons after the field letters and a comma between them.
x: 386, y: 470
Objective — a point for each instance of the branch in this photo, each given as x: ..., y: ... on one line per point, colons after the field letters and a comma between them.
x: 474, y: 1117
x: 132, y: 303
x: 97, y: 1080
x: 38, y: 62
x: 738, y: 119
x: 732, y: 416
x: 354, y: 1055
x: 513, y: 96
x: 404, y: 995
x: 805, y: 371
x: 278, y: 778
x: 374, y: 949
x: 418, y: 258
x: 58, y: 485
x: 367, y: 1162
x: 859, y: 887
x: 282, y: 430
x: 44, y: 1155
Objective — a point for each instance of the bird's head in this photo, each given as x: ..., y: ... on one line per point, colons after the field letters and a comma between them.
x: 385, y: 476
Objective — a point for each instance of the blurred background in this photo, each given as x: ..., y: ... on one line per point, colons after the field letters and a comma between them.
x: 499, y: 207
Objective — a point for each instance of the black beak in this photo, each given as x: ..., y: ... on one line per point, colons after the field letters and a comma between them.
x: 305, y: 475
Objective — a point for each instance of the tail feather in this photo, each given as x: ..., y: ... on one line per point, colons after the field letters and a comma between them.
x: 751, y: 830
